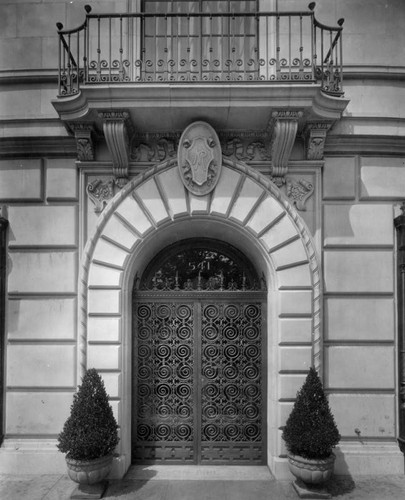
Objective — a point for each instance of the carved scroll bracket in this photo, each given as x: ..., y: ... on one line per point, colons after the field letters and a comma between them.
x: 84, y: 134
x: 284, y: 125
x: 315, y: 137
x: 118, y: 130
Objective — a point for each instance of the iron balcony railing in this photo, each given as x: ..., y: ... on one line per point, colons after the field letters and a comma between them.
x: 279, y: 47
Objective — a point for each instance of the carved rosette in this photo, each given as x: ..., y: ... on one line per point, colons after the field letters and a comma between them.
x: 284, y: 124
x: 83, y: 132
x: 100, y: 193
x: 315, y: 137
x: 118, y: 129
x: 199, y: 158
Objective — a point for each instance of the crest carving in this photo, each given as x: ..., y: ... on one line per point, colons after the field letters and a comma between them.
x: 199, y: 158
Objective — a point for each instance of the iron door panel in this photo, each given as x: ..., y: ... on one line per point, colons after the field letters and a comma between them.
x: 198, y: 382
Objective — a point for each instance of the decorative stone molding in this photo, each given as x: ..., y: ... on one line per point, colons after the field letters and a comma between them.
x: 154, y: 147
x: 100, y: 193
x: 83, y: 132
x: 315, y: 137
x: 118, y: 130
x: 247, y: 146
x: 284, y: 125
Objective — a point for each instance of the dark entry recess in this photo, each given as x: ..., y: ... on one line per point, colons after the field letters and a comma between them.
x: 3, y: 277
x: 199, y: 360
x: 399, y: 223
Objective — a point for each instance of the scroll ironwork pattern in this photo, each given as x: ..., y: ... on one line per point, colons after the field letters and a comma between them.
x: 232, y: 376
x: 165, y: 373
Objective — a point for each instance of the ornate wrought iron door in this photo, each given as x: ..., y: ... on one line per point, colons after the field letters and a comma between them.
x: 164, y: 399
x: 231, y: 380
x: 198, y: 379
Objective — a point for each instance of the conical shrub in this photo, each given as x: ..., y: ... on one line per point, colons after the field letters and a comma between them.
x: 310, y: 430
x: 91, y: 429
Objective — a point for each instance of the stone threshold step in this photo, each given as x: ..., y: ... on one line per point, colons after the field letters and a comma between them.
x: 197, y: 472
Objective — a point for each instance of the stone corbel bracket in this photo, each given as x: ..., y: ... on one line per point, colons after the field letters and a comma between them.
x: 118, y: 131
x: 84, y: 134
x: 315, y: 137
x: 284, y: 127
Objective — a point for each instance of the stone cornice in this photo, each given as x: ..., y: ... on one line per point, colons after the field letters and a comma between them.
x: 22, y: 76
x: 374, y: 72
x: 154, y: 107
x: 22, y: 147
x: 386, y: 145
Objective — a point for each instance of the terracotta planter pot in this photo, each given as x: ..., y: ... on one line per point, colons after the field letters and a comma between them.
x: 311, y: 471
x: 89, y: 471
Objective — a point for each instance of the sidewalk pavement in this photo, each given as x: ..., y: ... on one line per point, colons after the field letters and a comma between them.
x: 200, y: 483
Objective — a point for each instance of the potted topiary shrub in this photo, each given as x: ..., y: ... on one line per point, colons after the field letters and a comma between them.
x: 89, y: 436
x: 311, y: 434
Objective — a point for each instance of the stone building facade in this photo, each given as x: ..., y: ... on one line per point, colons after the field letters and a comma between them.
x: 304, y: 178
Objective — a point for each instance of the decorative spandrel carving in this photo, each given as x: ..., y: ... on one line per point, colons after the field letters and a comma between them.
x: 100, y: 193
x: 298, y: 191
x: 199, y: 158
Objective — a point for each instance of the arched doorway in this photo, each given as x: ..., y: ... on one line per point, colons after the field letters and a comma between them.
x: 199, y: 357
x: 154, y: 211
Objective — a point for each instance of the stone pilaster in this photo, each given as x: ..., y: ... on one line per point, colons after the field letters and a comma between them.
x: 84, y: 134
x: 315, y: 137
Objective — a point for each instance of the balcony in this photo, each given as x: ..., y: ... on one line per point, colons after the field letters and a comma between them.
x: 273, y: 75
x: 200, y: 47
